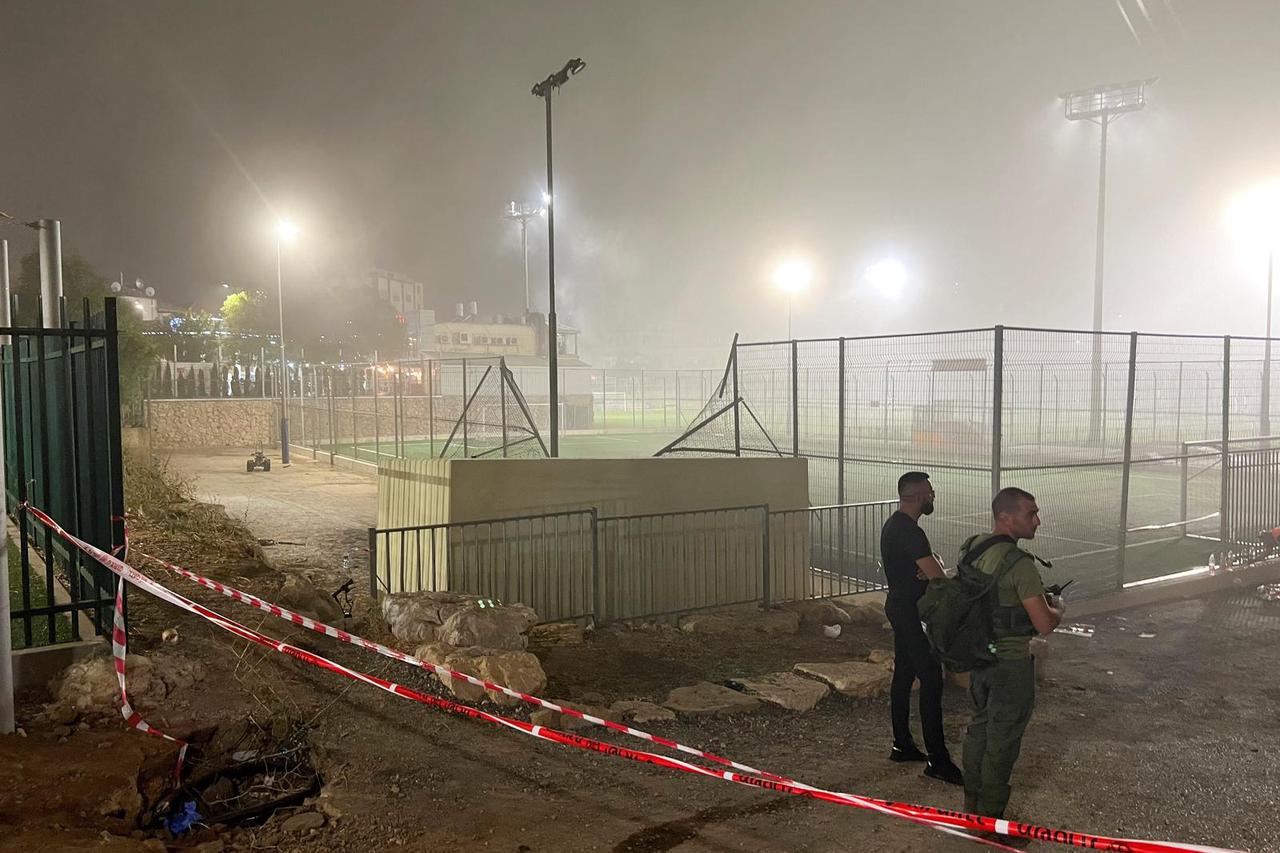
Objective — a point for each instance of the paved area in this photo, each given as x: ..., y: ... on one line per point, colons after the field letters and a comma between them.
x: 327, y: 511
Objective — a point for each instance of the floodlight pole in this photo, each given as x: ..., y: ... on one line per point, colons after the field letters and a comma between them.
x: 522, y: 214
x: 1095, y: 373
x: 1102, y: 105
x: 543, y: 90
x: 284, y: 364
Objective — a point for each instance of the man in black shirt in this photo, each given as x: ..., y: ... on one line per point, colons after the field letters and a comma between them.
x: 909, y: 563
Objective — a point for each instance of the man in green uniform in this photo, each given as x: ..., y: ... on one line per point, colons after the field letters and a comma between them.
x: 1003, y: 693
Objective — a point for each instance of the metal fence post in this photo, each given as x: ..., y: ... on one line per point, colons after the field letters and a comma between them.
x: 1123, y: 532
x: 765, y: 559
x: 597, y: 592
x: 502, y: 393
x: 1223, y: 504
x: 997, y: 406
x: 795, y: 399
x: 1182, y: 496
x: 737, y: 425
x: 840, y: 433
x: 373, y: 563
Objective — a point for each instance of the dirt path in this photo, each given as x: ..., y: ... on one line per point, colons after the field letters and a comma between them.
x: 327, y: 509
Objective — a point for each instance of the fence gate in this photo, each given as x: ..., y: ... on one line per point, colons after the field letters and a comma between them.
x: 1252, y: 501
x: 61, y: 397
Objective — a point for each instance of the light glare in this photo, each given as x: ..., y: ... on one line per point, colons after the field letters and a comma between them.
x: 889, y: 277
x: 793, y: 276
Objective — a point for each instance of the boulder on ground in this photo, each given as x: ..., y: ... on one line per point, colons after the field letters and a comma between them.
x: 459, y: 620
x: 297, y: 593
x: 741, y: 621
x: 884, y: 657
x: 786, y: 690
x: 705, y: 699
x: 639, y: 711
x: 501, y: 627
x: 855, y: 678
x: 818, y: 614
x: 519, y: 671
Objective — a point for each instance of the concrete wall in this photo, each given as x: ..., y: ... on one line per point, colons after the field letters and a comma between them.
x: 665, y: 562
x: 237, y: 422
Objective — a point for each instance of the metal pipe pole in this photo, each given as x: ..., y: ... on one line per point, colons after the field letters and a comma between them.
x: 553, y: 346
x: 524, y: 247
x: 6, y: 639
x: 50, y: 270
x: 1265, y: 420
x: 4, y: 283
x: 1095, y: 384
x: 284, y: 385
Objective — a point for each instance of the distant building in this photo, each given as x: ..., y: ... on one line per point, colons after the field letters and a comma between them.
x: 405, y: 295
x: 520, y: 339
x: 139, y: 296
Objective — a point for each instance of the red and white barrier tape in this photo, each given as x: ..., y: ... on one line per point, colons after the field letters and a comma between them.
x: 119, y: 651
x: 942, y: 819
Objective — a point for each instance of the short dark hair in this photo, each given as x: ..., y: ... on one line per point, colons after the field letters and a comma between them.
x: 909, y: 479
x: 1008, y: 498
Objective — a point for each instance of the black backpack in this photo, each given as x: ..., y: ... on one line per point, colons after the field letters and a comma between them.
x: 957, y: 613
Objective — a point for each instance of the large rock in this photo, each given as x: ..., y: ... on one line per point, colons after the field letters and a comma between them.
x: 786, y: 690
x: 416, y: 617
x: 91, y: 687
x: 520, y: 671
x: 884, y: 657
x: 639, y: 711
x: 557, y: 634
x: 501, y: 627
x: 856, y: 678
x: 818, y: 614
x: 299, y: 595
x: 864, y: 613
x: 741, y: 621
x: 457, y: 619
x: 705, y: 699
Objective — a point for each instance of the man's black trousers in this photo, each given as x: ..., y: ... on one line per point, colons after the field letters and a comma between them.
x: 913, y: 660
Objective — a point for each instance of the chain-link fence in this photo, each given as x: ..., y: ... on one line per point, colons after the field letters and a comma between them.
x: 1123, y: 437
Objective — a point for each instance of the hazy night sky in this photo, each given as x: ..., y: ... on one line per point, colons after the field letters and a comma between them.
x: 704, y: 143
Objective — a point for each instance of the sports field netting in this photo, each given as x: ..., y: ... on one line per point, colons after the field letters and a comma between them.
x: 1121, y: 437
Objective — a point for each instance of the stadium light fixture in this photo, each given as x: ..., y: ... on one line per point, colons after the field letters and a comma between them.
x: 1102, y: 105
x: 792, y: 276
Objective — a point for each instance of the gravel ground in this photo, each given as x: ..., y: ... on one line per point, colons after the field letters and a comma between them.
x: 1171, y: 737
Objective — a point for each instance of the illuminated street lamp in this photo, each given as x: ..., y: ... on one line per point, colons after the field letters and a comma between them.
x: 792, y: 277
x: 286, y: 232
x: 1254, y: 216
x: 543, y: 89
x: 1101, y: 105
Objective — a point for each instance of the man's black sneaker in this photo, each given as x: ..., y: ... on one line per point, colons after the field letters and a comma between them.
x: 944, y: 770
x: 910, y: 754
